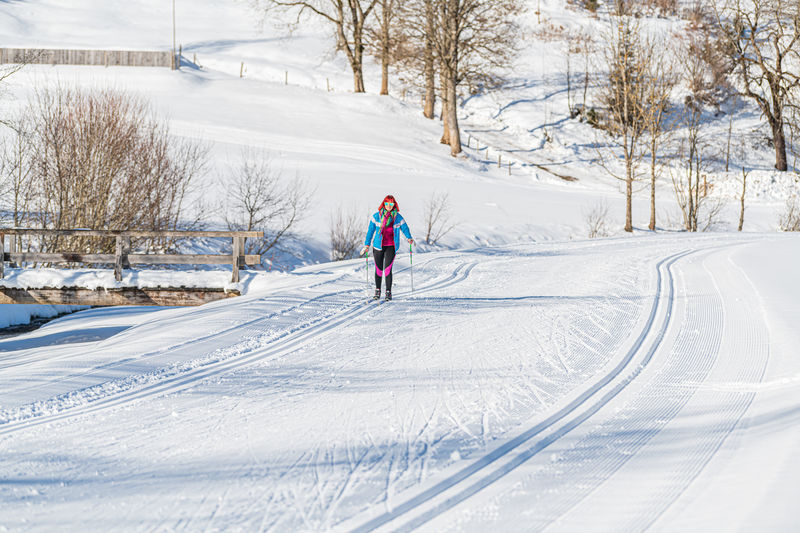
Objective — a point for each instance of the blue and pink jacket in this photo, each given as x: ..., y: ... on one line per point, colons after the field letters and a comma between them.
x: 379, y: 221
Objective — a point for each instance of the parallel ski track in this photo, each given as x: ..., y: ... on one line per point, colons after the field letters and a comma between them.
x: 470, y: 480
x: 285, y: 344
x: 592, y: 462
x: 295, y: 304
x: 669, y: 393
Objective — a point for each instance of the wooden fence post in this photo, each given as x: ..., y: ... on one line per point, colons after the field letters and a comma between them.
x: 241, y: 70
x: 237, y: 252
x: 499, y: 160
x: 12, y: 248
x: 118, y: 259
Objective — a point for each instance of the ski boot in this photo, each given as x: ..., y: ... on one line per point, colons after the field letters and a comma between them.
x: 388, y: 295
x: 377, y: 294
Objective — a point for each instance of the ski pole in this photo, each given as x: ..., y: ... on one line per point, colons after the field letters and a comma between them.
x: 366, y: 270
x: 411, y: 253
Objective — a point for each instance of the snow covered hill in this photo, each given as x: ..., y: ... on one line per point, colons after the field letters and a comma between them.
x: 531, y: 380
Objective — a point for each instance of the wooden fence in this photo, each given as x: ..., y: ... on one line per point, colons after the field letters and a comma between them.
x: 107, y: 58
x: 123, y: 258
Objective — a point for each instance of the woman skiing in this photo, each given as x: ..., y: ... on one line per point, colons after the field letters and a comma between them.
x: 384, y: 235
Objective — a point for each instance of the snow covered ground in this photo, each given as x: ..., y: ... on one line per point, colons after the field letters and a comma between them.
x: 531, y: 380
x: 608, y: 385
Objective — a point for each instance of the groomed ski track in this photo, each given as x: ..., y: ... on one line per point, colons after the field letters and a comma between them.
x: 606, y: 391
x: 182, y: 380
x: 468, y: 481
x: 618, y: 449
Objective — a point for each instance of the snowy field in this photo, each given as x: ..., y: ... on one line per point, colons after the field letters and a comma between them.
x: 532, y: 379
x: 608, y: 386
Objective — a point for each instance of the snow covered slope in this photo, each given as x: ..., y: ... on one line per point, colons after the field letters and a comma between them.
x: 531, y: 380
x: 607, y: 385
x: 356, y: 148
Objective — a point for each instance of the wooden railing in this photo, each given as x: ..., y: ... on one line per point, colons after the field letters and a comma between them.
x: 122, y: 257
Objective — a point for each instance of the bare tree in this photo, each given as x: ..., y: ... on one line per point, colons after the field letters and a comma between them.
x: 101, y: 159
x: 348, y: 17
x: 472, y: 40
x: 383, y: 38
x: 745, y: 174
x: 414, y: 54
x: 346, y: 233
x: 9, y: 69
x: 661, y: 82
x: 16, y: 170
x: 260, y: 198
x: 691, y: 194
x: 429, y: 69
x: 763, y: 39
x: 597, y: 220
x: 585, y: 42
x: 628, y: 59
x: 437, y: 217
x: 789, y: 220
x: 579, y: 44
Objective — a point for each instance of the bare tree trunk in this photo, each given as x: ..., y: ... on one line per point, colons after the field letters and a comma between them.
x: 653, y: 162
x: 697, y: 168
x: 430, y: 70
x: 744, y: 190
x: 690, y: 169
x: 430, y: 84
x: 385, y: 74
x: 358, y: 62
x: 386, y: 16
x: 445, y: 114
x: 454, y: 135
x: 779, y: 140
x: 569, y: 82
x: 730, y: 133
x: 629, y: 198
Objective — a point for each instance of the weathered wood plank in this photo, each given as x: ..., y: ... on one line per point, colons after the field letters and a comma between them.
x: 156, y: 259
x: 66, y: 257
x: 140, y: 259
x: 130, y: 58
x: 112, y: 297
x: 128, y: 233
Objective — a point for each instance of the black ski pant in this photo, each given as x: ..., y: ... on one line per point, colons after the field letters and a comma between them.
x: 384, y: 259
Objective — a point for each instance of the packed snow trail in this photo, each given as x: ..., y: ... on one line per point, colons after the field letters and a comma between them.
x: 247, y: 336
x: 466, y: 483
x: 657, y: 439
x: 443, y: 386
x: 344, y: 412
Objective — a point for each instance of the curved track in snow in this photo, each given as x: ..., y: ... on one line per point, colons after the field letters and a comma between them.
x: 245, y: 355
x: 637, y: 453
x: 447, y: 493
